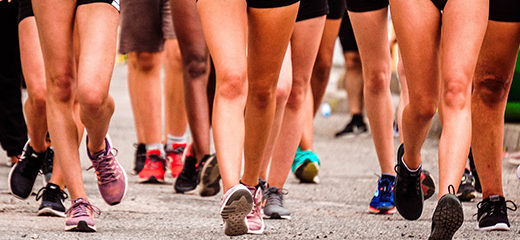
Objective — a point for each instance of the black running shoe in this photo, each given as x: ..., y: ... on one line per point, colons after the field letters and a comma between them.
x: 209, y: 176
x: 408, y: 194
x: 188, y: 179
x: 352, y: 129
x: 466, y: 191
x: 47, y: 165
x: 52, y: 201
x: 140, y: 158
x: 492, y: 213
x: 447, y: 217
x: 24, y: 172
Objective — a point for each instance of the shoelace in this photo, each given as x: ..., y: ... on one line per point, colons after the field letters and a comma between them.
x: 385, y: 189
x: 495, y: 207
x: 103, y: 166
x: 80, y: 208
x: 275, y: 196
x: 406, y: 183
x: 42, y: 191
x: 179, y: 150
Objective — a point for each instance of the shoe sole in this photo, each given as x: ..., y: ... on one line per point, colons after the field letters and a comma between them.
x: 382, y: 210
x: 49, y: 212
x: 447, y: 218
x: 277, y: 216
x: 210, y: 180
x: 307, y: 172
x: 496, y: 227
x: 151, y: 179
x: 82, y: 226
x: 234, y: 212
x: 427, y: 184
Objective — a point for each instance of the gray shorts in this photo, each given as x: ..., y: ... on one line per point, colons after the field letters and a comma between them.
x: 145, y: 25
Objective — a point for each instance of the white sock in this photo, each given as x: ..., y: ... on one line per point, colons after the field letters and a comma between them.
x: 415, y: 170
x: 155, y: 146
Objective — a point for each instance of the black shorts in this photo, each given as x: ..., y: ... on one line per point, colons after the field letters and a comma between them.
x: 366, y: 5
x: 440, y: 4
x: 311, y: 9
x: 336, y: 9
x: 270, y: 3
x: 346, y: 35
x: 504, y: 10
x: 25, y: 7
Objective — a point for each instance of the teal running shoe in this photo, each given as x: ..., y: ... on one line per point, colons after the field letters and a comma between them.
x: 383, y: 200
x: 306, y: 166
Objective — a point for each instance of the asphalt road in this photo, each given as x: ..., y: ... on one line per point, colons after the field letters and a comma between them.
x: 334, y: 209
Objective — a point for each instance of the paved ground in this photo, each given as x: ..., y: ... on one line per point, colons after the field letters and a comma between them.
x: 334, y: 209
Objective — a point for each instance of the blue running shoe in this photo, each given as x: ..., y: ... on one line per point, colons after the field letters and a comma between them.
x: 306, y: 166
x: 383, y: 200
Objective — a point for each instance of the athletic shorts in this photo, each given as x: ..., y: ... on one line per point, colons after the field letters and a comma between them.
x: 346, y: 35
x: 504, y: 10
x: 440, y: 4
x: 270, y: 3
x: 366, y: 5
x: 145, y: 25
x: 311, y: 9
x: 25, y: 7
x: 336, y: 9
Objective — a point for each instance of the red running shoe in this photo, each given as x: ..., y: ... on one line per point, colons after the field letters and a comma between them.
x: 175, y: 156
x: 154, y: 168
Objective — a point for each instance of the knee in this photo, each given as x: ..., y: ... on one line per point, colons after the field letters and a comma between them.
x: 424, y: 108
x: 322, y: 66
x: 298, y: 93
x: 261, y: 98
x: 196, y: 65
x: 232, y: 85
x: 492, y: 89
x: 37, y: 98
x: 352, y: 61
x: 456, y: 91
x: 92, y: 101
x: 377, y: 82
x: 282, y: 94
x: 61, y: 87
x: 146, y: 61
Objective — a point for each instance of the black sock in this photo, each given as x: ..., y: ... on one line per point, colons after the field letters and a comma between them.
x: 357, y: 118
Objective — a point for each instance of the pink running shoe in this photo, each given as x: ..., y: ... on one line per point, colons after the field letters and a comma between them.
x: 255, y: 222
x: 235, y: 204
x: 112, y: 180
x: 80, y: 216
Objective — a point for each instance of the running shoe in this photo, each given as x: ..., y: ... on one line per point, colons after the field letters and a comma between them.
x: 306, y: 166
x: 140, y: 158
x: 353, y: 129
x: 383, y: 200
x: 209, y: 176
x: 262, y: 183
x: 188, y: 179
x: 80, y: 216
x: 274, y: 207
x: 52, y: 201
x: 492, y: 213
x: 235, y: 205
x: 255, y: 222
x: 408, y: 194
x: 23, y: 174
x: 112, y: 180
x: 447, y: 217
x: 427, y: 184
x: 154, y: 168
x: 47, y: 165
x: 467, y: 191
x: 175, y: 155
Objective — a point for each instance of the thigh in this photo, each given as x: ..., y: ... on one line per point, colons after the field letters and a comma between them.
x: 97, y: 30
x: 417, y: 27
x: 305, y: 43
x: 31, y: 56
x: 225, y: 26
x: 188, y: 28
x: 463, y: 29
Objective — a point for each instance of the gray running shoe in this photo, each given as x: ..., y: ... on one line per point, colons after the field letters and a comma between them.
x: 274, y: 208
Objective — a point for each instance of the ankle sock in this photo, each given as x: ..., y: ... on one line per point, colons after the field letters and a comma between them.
x: 155, y: 146
x: 357, y: 118
x: 411, y: 170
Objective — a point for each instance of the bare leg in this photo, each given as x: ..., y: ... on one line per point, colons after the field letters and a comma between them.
x: 195, y: 59
x: 269, y: 34
x: 283, y: 89
x: 304, y: 43
x: 404, y: 99
x: 492, y: 82
x: 354, y: 82
x: 174, y: 107
x: 463, y: 31
x: 144, y: 84
x: 370, y: 29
